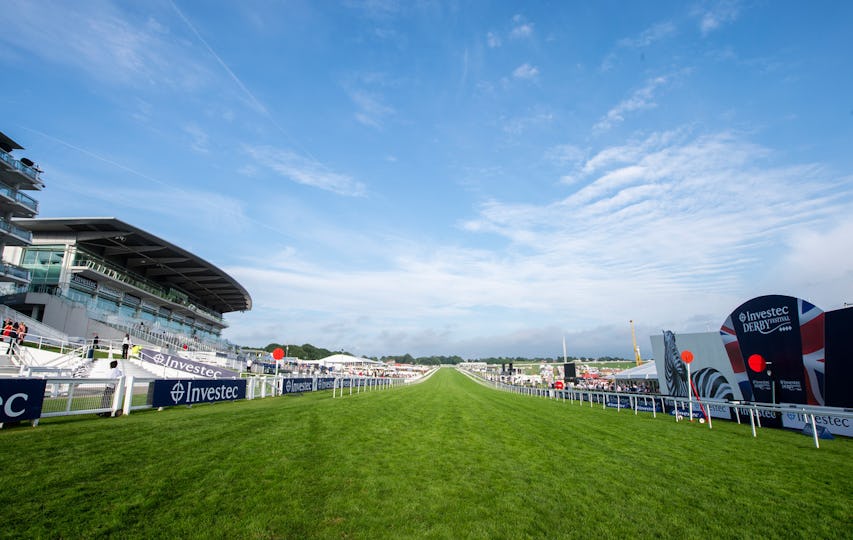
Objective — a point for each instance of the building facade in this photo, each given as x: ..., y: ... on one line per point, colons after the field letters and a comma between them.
x: 17, y: 176
x: 105, y: 274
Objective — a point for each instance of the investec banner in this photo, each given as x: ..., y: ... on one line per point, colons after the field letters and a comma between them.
x: 325, y: 383
x: 21, y: 399
x: 298, y: 385
x: 171, y: 392
x: 187, y: 366
x: 789, y: 334
x: 837, y: 425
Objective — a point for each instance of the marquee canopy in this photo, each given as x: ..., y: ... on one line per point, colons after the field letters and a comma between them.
x: 642, y: 372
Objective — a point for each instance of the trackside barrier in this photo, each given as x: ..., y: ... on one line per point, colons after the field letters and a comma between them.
x: 67, y: 396
x: 357, y: 384
x: 680, y: 407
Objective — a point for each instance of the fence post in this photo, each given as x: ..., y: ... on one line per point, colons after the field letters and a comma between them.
x: 128, y: 395
x: 117, y: 395
x: 814, y: 432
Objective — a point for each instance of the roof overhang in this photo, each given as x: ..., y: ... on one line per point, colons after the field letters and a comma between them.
x: 145, y: 254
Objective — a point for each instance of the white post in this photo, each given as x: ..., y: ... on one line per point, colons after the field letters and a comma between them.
x: 128, y: 395
x: 690, y: 391
x: 814, y: 432
x: 117, y: 395
x: 752, y: 422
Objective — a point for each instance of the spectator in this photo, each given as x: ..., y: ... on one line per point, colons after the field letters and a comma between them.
x: 95, y: 341
x: 13, y: 337
x: 110, y: 388
x: 125, y: 346
x: 22, y: 333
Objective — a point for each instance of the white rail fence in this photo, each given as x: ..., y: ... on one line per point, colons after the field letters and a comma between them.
x: 679, y: 407
x: 68, y: 396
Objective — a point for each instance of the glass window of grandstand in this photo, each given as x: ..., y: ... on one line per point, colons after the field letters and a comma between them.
x: 45, y: 265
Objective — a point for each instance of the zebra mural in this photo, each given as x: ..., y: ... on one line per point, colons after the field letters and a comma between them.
x: 676, y: 371
x: 708, y: 382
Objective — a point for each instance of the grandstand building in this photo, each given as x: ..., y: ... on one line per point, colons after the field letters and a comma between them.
x: 101, y: 275
x: 16, y: 177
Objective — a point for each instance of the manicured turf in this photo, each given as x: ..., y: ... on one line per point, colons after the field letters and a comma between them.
x: 444, y: 459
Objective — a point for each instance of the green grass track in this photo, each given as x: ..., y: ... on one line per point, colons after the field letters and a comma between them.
x: 448, y: 458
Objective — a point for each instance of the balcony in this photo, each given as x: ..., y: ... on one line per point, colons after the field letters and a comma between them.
x: 16, y: 236
x: 10, y: 272
x: 102, y: 268
x: 19, y: 203
x: 21, y: 173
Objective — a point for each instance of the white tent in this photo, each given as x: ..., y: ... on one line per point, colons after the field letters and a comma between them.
x: 642, y: 372
x: 347, y: 360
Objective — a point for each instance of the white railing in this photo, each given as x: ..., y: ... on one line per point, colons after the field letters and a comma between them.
x: 681, y: 406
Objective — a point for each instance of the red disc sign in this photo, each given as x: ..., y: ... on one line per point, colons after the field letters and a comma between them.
x: 558, y: 385
x: 687, y: 356
x: 757, y: 363
x: 278, y: 354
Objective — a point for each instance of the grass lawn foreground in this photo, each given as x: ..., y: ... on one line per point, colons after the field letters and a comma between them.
x: 447, y: 458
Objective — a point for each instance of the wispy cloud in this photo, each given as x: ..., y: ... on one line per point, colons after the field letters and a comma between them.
x: 199, y: 139
x: 653, y: 34
x: 104, y: 43
x: 658, y: 229
x: 525, y: 72
x: 719, y: 14
x: 643, y: 98
x: 371, y: 110
x: 493, y: 40
x: 305, y: 171
x: 524, y: 30
x: 520, y: 124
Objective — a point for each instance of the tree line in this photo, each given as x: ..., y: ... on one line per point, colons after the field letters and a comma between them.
x: 310, y: 352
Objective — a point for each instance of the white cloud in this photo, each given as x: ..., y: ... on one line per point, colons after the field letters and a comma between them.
x: 526, y: 72
x: 720, y: 14
x: 641, y: 99
x: 371, y: 111
x: 199, y: 140
x: 524, y: 30
x: 657, y: 231
x: 102, y: 42
x: 565, y: 153
x: 516, y: 126
x: 493, y: 40
x: 305, y: 171
x: 653, y: 34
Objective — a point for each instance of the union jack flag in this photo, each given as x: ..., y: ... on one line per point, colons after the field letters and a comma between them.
x: 812, y: 337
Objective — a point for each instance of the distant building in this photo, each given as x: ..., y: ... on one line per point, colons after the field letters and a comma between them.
x: 102, y: 275
x: 16, y: 177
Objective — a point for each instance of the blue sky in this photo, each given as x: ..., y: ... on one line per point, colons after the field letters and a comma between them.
x: 473, y: 178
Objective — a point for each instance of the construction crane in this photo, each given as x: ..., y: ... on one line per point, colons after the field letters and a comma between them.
x: 636, y: 347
